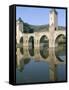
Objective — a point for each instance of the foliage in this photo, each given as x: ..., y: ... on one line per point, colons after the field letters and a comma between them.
x: 27, y: 28
x: 37, y: 28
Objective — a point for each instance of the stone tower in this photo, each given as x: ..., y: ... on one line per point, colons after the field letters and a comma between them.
x: 53, y: 23
x: 53, y: 26
x: 19, y: 29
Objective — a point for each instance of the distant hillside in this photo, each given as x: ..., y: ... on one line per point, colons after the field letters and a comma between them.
x: 61, y: 28
x: 37, y: 28
x: 27, y: 28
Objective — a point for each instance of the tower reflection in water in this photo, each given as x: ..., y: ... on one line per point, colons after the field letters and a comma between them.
x: 40, y: 64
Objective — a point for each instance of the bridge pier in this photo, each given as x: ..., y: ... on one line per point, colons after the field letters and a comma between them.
x: 51, y: 43
x: 25, y: 40
x: 52, y: 72
x: 36, y: 41
x: 26, y: 53
x: 18, y: 56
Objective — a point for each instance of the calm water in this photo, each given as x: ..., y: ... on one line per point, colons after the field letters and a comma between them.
x: 40, y: 65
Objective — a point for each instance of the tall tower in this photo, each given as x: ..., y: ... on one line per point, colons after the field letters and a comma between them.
x: 19, y: 29
x: 53, y: 26
x: 53, y: 21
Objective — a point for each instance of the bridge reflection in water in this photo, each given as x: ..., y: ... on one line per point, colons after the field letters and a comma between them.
x: 40, y: 64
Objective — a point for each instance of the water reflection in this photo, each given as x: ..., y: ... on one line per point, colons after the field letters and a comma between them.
x: 41, y: 65
x: 60, y: 53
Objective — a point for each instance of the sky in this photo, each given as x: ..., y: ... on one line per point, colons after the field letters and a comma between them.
x: 39, y: 16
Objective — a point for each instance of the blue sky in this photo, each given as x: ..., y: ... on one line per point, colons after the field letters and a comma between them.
x: 39, y: 16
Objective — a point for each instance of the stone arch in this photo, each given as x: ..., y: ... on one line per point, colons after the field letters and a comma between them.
x: 31, y: 45
x: 44, y: 39
x: 31, y: 40
x: 60, y: 38
x: 60, y: 49
x: 21, y: 39
x: 44, y: 44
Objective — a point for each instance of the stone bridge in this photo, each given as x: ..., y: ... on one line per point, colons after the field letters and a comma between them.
x: 38, y: 35
x: 52, y: 33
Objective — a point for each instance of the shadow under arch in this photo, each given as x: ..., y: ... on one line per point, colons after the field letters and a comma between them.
x: 44, y: 44
x: 60, y: 39
x: 31, y: 46
x: 21, y: 43
x: 60, y: 47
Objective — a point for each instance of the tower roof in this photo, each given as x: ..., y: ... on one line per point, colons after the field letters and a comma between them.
x: 20, y: 20
x: 53, y: 10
